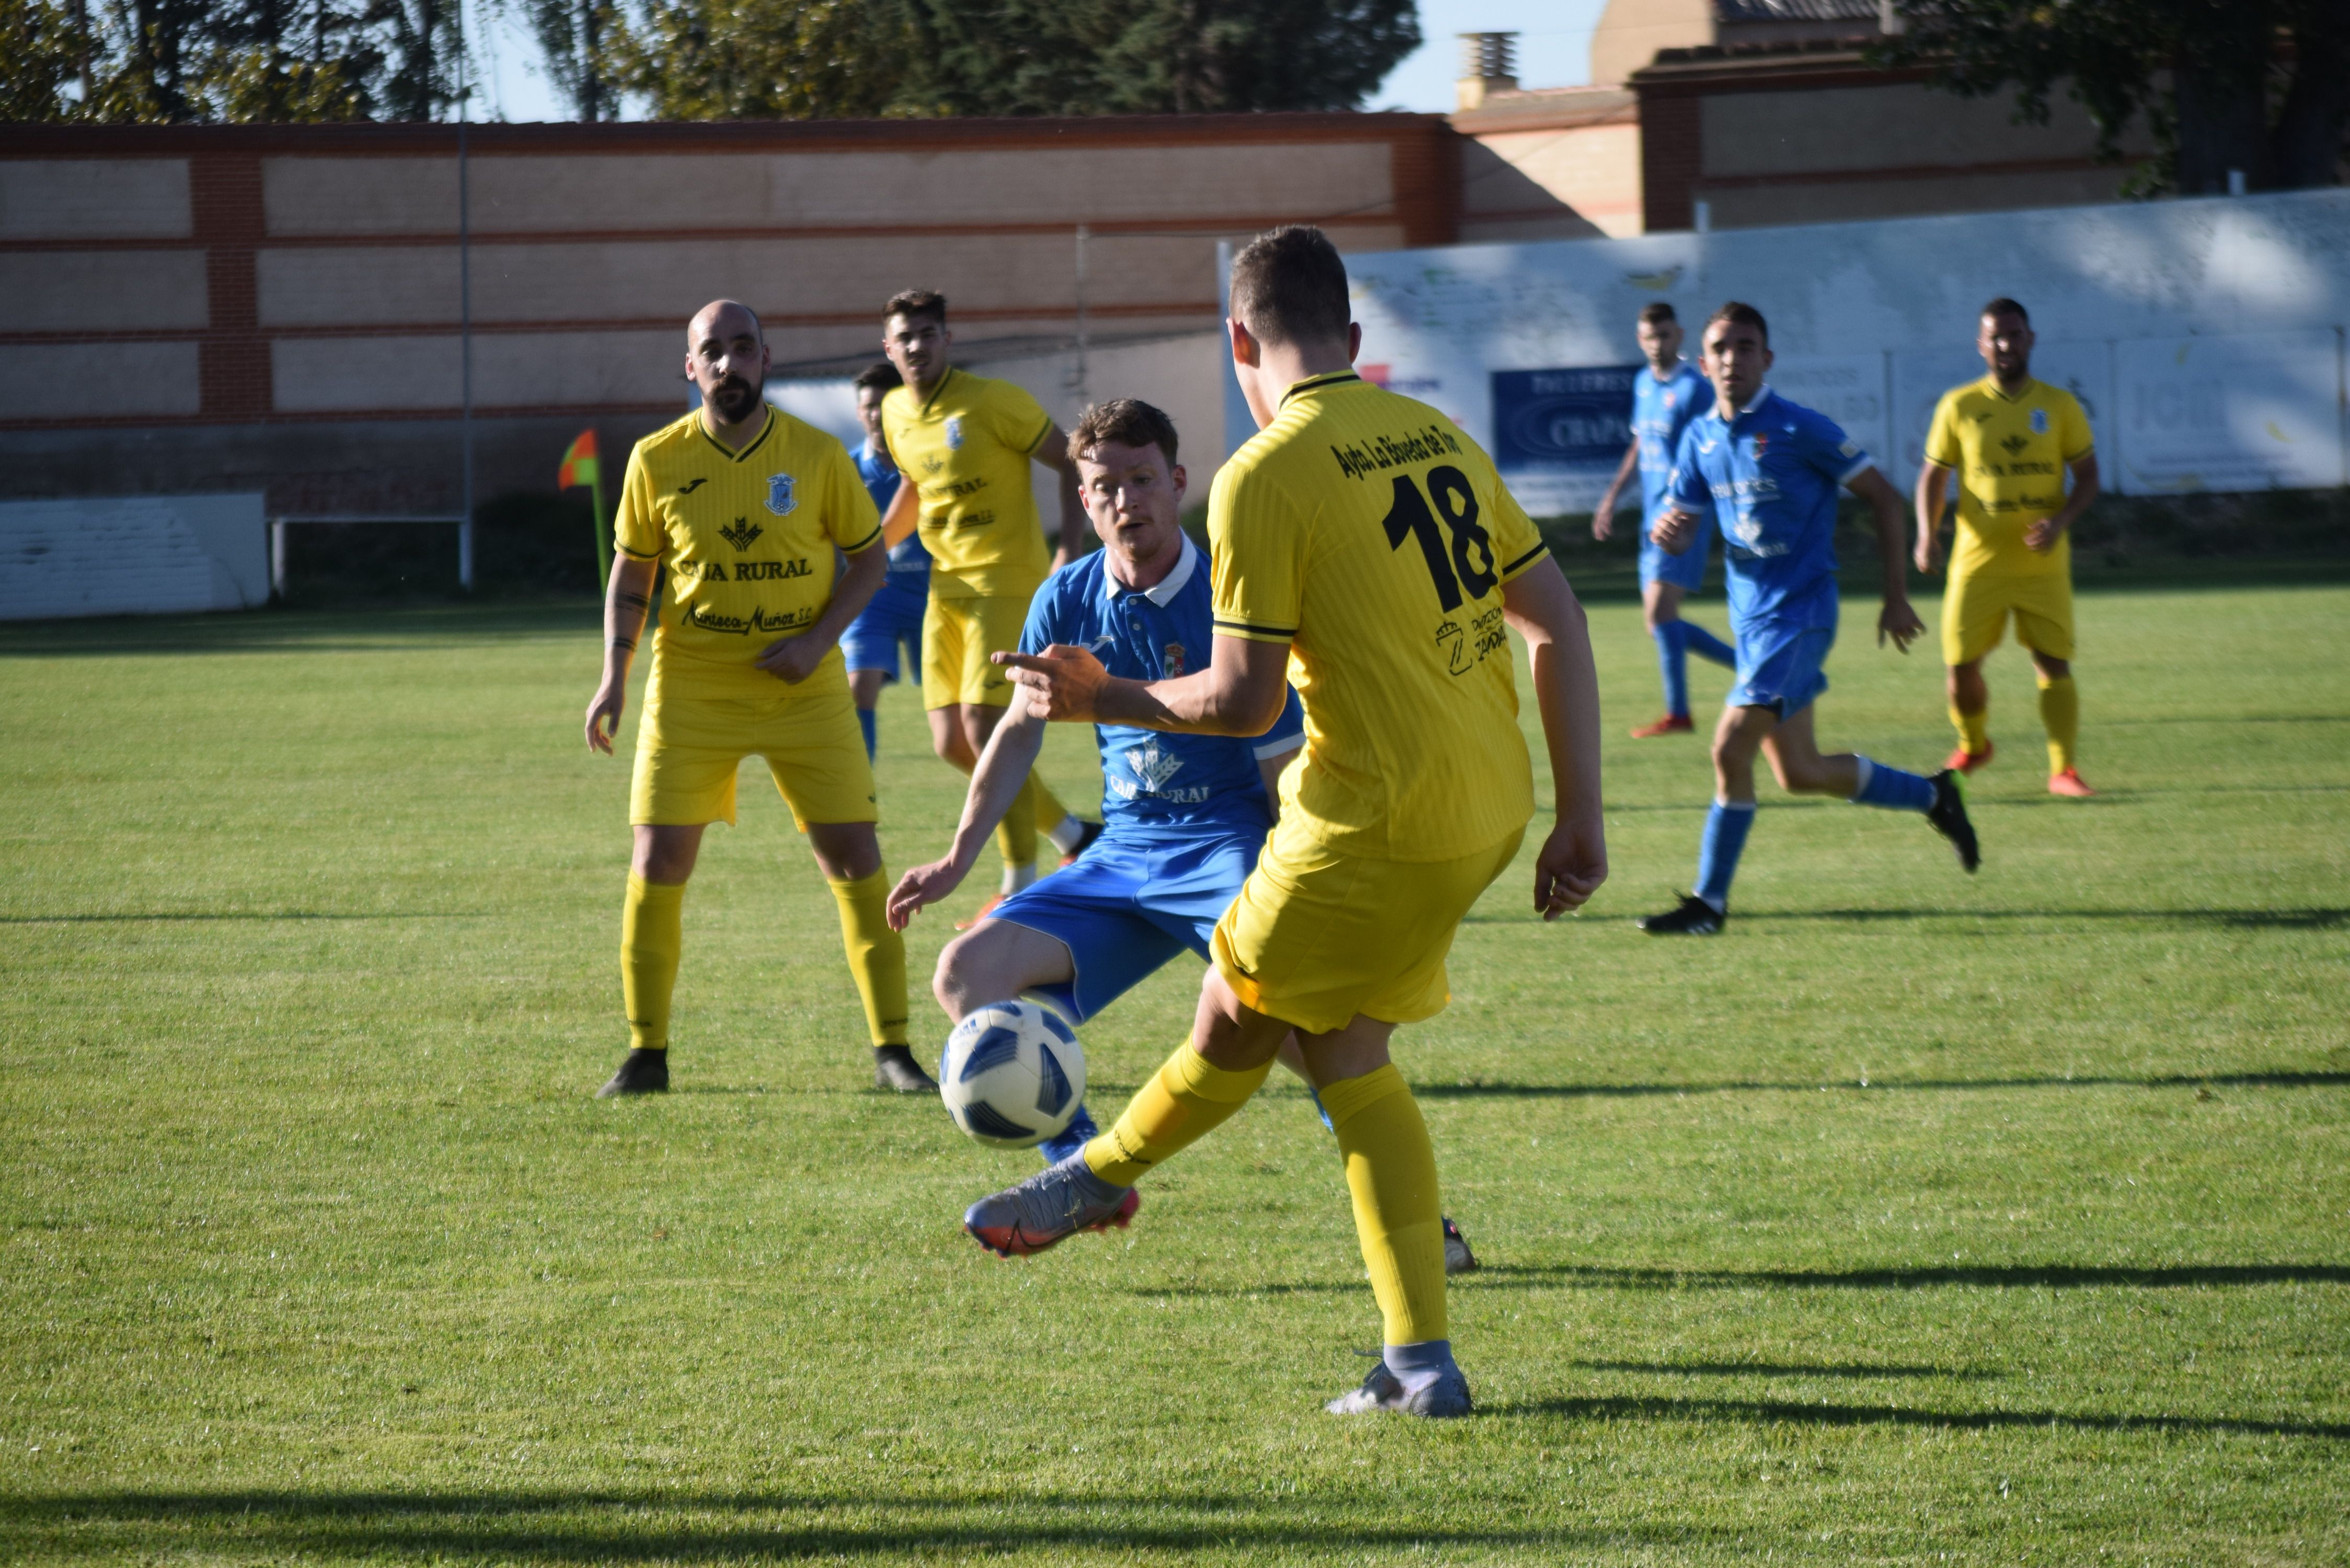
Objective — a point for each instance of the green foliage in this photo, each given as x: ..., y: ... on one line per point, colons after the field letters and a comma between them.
x: 703, y: 59
x: 2258, y: 86
x: 1918, y: 1219
x: 42, y: 56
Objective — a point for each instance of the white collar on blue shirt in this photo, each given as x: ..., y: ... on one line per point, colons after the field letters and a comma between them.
x: 1165, y: 589
x: 1761, y: 392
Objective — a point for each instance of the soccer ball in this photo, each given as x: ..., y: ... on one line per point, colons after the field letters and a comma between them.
x: 1012, y: 1074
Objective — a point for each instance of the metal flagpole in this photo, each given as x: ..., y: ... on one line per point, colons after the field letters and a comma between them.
x: 1085, y: 231
x: 465, y: 308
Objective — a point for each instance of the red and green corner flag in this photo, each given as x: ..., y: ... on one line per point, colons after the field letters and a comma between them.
x: 580, y: 467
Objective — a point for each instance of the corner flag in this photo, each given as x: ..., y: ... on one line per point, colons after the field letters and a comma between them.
x: 580, y: 467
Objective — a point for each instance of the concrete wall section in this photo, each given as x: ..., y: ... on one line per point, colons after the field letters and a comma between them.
x: 60, y: 381
x: 102, y: 291
x: 93, y: 199
x: 131, y: 555
x: 532, y: 370
x: 1775, y: 202
x: 1908, y: 125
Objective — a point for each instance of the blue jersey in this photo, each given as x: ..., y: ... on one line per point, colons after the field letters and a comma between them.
x: 1769, y: 478
x: 1662, y: 410
x: 910, y: 564
x: 1154, y: 782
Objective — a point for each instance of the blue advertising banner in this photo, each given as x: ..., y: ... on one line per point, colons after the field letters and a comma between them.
x: 1558, y: 435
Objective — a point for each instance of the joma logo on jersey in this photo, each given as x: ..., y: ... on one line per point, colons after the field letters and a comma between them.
x: 740, y: 532
x: 690, y: 486
x: 780, y: 500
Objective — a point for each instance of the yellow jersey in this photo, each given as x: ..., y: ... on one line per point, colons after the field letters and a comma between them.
x: 967, y: 447
x: 2011, y: 455
x: 1367, y: 532
x: 747, y: 537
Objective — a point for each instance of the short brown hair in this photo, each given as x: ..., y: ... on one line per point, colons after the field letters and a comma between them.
x: 880, y: 377
x: 1289, y: 286
x: 2003, y: 306
x: 912, y: 302
x: 1655, y: 312
x: 1742, y: 314
x: 1128, y: 421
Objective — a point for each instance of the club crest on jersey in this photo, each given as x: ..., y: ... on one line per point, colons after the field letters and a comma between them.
x: 780, y: 500
x: 1761, y: 442
x: 954, y: 432
x: 2040, y: 422
x: 1174, y: 661
x: 740, y: 532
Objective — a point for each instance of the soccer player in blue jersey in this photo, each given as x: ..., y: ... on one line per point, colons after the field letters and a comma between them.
x: 894, y: 617
x: 1767, y: 470
x: 1667, y: 393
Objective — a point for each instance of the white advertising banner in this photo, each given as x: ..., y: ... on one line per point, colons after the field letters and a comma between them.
x: 1847, y: 388
x: 2254, y: 411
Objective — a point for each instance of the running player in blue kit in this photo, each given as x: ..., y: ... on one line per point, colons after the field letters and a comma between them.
x: 894, y: 617
x: 1767, y: 470
x: 1667, y: 394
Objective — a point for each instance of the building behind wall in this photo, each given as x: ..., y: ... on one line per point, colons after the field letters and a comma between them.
x: 279, y: 307
x: 1742, y: 113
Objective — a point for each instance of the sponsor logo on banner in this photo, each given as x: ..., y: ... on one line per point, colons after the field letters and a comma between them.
x: 1558, y: 435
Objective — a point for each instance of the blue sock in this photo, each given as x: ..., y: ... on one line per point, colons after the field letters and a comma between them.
x: 1672, y: 660
x: 1726, y: 827
x: 865, y: 722
x: 1705, y: 645
x: 1891, y: 788
x: 1069, y: 1139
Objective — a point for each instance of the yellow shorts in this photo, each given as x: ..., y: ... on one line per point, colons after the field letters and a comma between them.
x: 1975, y: 611
x: 957, y: 637
x: 692, y: 743
x: 1317, y: 936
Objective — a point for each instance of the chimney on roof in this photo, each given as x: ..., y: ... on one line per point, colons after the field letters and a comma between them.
x: 1488, y: 65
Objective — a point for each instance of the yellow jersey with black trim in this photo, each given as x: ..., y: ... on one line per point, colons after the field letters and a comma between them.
x: 967, y: 448
x: 747, y: 536
x: 1367, y: 532
x: 2012, y: 454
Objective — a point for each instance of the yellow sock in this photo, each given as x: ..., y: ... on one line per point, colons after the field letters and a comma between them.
x: 1974, y: 728
x: 652, y: 933
x: 1392, y: 1171
x: 1016, y: 835
x: 2059, y: 710
x: 877, y: 955
x: 1048, y: 811
x: 1187, y: 1096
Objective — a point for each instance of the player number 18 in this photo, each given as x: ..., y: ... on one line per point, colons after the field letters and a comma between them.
x: 1410, y: 518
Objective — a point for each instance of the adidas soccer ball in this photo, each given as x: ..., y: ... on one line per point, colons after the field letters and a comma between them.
x: 1012, y: 1074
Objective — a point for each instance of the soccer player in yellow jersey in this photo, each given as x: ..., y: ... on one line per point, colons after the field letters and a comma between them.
x: 2010, y: 440
x: 964, y: 444
x: 744, y: 505
x: 1364, y: 551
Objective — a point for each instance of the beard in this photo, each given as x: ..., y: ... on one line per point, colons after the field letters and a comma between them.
x: 734, y: 398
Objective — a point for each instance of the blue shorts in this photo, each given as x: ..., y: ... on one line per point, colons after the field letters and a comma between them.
x: 1130, y: 903
x: 1686, y: 569
x: 894, y: 617
x: 1779, y: 666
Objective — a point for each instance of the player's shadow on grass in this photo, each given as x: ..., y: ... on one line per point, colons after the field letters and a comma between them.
x: 362, y: 630
x: 2276, y: 1079
x: 683, y: 1526
x: 1789, y: 1412
x: 175, y: 917
x: 2306, y: 919
x: 1605, y: 1276
x: 1783, y: 1369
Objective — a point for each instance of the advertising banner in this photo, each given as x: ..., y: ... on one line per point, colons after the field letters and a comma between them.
x: 1560, y: 435
x: 2253, y: 412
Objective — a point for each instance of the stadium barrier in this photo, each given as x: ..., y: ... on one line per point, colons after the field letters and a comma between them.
x: 132, y: 555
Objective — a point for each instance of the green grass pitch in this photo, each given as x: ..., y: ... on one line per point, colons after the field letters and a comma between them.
x: 1916, y: 1219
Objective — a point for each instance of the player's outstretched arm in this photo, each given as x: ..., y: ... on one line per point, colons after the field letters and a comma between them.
x: 795, y: 658
x: 1240, y: 693
x: 2043, y: 533
x: 1574, y: 859
x: 905, y: 513
x: 1012, y: 751
x: 1933, y: 494
x: 1897, y: 620
x: 1603, y: 519
x: 627, y: 599
x: 1052, y: 452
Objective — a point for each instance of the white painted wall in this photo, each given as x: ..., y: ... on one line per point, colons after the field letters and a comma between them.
x: 2207, y: 336
x: 139, y: 554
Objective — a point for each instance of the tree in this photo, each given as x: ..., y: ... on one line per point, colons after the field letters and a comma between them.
x: 572, y: 34
x: 43, y: 52
x: 697, y: 60
x: 2261, y: 87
